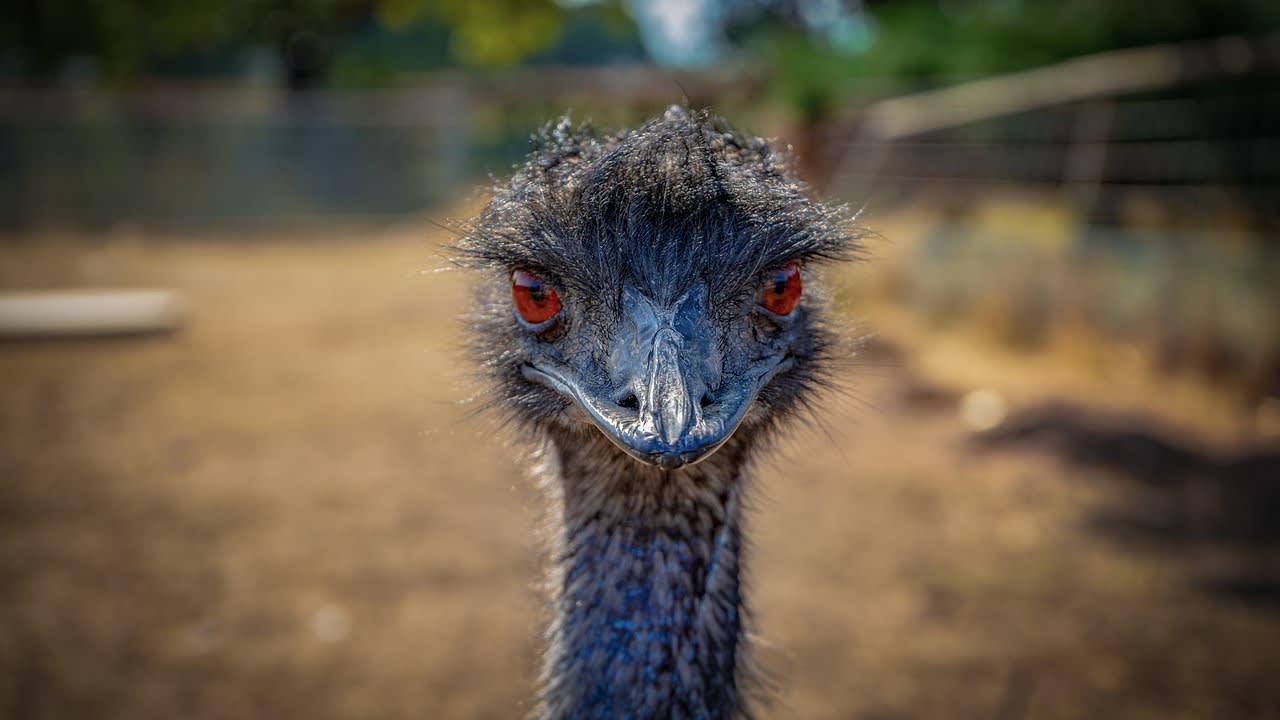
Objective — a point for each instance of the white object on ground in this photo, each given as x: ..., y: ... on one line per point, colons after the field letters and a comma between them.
x: 65, y: 313
x: 983, y: 410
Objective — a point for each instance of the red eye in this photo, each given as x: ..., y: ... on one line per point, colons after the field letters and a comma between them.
x: 536, y: 301
x: 781, y: 291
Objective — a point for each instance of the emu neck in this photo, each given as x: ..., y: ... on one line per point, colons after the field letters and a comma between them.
x: 647, y: 601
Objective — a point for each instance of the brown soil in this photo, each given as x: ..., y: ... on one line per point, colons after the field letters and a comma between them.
x: 287, y: 510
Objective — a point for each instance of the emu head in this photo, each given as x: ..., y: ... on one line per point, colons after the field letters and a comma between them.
x: 653, y: 287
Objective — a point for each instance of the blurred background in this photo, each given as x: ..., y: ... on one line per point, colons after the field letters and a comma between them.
x: 1050, y: 487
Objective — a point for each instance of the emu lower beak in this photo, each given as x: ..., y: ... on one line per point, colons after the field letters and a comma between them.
x: 668, y: 403
x: 673, y: 431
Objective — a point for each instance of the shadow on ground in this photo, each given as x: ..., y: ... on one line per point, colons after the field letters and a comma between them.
x: 1182, y: 494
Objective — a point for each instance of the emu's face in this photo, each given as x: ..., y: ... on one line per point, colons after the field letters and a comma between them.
x: 650, y: 287
x: 667, y: 376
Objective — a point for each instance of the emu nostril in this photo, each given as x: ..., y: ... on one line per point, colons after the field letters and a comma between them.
x: 630, y: 401
x: 705, y: 401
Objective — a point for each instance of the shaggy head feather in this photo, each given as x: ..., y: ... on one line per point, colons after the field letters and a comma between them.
x: 650, y: 389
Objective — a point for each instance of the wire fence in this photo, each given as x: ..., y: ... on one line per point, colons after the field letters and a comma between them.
x: 1166, y: 220
x: 194, y: 157
x: 1181, y: 120
x: 1192, y: 153
x: 1171, y: 192
x: 214, y: 158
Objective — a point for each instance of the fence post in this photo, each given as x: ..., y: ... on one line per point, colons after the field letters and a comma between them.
x: 1086, y: 159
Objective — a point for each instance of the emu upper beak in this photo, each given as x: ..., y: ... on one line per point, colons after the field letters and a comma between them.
x: 668, y: 402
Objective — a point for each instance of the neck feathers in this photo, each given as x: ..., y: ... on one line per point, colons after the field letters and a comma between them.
x: 647, y: 599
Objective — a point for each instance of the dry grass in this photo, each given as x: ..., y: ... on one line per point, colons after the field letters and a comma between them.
x: 286, y: 511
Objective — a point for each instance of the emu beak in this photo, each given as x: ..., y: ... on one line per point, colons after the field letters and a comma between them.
x: 668, y: 402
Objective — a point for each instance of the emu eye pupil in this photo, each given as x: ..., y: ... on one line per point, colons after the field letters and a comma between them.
x: 535, y: 301
x: 781, y: 291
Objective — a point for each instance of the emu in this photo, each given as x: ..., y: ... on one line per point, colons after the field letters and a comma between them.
x: 645, y: 313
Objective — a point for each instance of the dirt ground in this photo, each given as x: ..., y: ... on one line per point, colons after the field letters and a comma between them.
x: 287, y: 509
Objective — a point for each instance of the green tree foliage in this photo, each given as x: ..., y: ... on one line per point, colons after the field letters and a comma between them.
x: 498, y: 32
x: 369, y: 39
x: 120, y: 35
x: 128, y: 38
x: 416, y: 35
x: 941, y: 41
